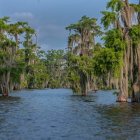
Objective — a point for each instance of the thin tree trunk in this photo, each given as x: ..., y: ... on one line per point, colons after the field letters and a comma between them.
x: 83, y: 83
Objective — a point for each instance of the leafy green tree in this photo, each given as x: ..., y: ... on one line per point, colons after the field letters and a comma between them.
x: 120, y: 16
x: 20, y: 67
x: 30, y: 55
x: 56, y: 64
x: 81, y: 44
x: 8, y: 45
x: 79, y: 70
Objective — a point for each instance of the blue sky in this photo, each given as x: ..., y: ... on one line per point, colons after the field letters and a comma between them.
x: 50, y: 17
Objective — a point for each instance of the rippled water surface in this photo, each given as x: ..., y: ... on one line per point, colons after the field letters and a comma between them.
x: 59, y: 115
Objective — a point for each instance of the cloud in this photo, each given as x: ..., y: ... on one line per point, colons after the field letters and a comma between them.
x: 23, y: 15
x: 53, y: 35
x: 50, y: 35
x: 45, y: 47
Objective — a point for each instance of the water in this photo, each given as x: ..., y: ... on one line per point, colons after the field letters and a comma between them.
x: 58, y: 115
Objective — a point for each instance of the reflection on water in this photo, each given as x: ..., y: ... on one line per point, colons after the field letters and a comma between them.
x: 57, y: 114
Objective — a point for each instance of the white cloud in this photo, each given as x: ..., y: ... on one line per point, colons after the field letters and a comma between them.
x: 44, y: 46
x: 23, y: 15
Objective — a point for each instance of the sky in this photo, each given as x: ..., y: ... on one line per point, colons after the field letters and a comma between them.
x: 50, y: 17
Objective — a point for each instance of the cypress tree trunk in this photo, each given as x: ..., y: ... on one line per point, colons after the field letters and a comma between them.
x: 116, y: 83
x: 83, y: 83
x: 136, y: 74
x: 108, y: 81
x: 123, y: 84
x: 5, y: 84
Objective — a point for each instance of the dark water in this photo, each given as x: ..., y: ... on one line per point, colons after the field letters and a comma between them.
x: 58, y: 115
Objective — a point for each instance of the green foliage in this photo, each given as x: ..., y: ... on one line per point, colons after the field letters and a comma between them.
x: 115, y: 5
x: 81, y: 45
x: 113, y: 39
x: 108, y: 19
x: 41, y: 75
x: 107, y: 61
x: 79, y: 68
x: 85, y: 23
x: 55, y: 64
x: 110, y: 58
x: 135, y: 34
x: 24, y: 65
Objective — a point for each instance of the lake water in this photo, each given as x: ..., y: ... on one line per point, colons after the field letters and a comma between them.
x: 56, y: 114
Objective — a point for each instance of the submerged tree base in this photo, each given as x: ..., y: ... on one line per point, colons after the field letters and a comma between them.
x: 84, y: 94
x: 5, y: 95
x: 121, y: 99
